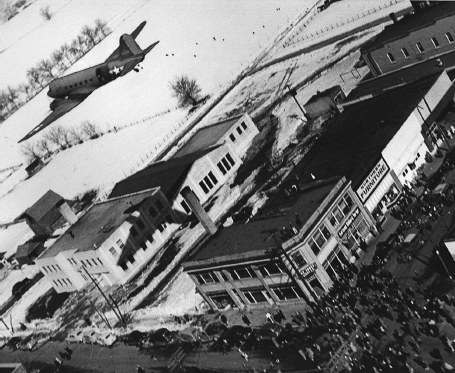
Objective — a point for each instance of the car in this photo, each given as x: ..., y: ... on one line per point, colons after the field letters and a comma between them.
x: 90, y: 337
x: 160, y: 337
x: 236, y: 335
x: 75, y: 337
x: 20, y: 287
x: 134, y: 338
x: 27, y: 345
x: 106, y: 339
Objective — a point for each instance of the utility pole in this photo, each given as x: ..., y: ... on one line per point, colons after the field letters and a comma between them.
x: 102, y: 293
x: 443, y: 263
x: 293, y: 93
x: 11, y: 322
x: 117, y: 307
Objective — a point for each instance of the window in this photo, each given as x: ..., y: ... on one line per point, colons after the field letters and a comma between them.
x: 243, y: 124
x: 89, y: 263
x: 131, y: 258
x: 391, y: 58
x: 271, y: 269
x: 405, y: 52
x: 240, y: 273
x: 298, y: 259
x: 113, y: 252
x: 159, y: 205
x: 100, y: 262
x: 341, y: 210
x: 133, y: 231
x: 229, y: 158
x: 143, y: 245
x: 94, y: 262
x: 45, y: 269
x: 152, y: 211
x: 226, y: 164
x: 319, y: 239
x: 120, y: 244
x: 124, y: 266
x: 221, y: 168
x: 186, y: 207
x: 162, y: 226
x: 169, y: 219
x: 150, y: 238
x: 208, y: 182
x: 449, y: 37
x: 206, y: 278
x: 420, y: 47
x: 140, y: 224
x: 84, y: 277
x: 435, y: 42
x: 232, y: 137
x: 55, y: 282
x: 239, y: 130
x: 213, y: 178
x: 286, y: 292
x: 60, y: 282
x: 69, y: 281
x: 204, y: 188
x: 255, y: 296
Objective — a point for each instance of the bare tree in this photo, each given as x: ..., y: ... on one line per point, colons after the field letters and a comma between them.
x: 186, y: 90
x: 101, y: 29
x: 45, y: 67
x: 66, y: 54
x: 90, y: 129
x: 46, y: 13
x: 81, y: 41
x: 35, y: 78
x: 56, y: 136
x: 90, y: 36
x: 76, y: 135
x: 13, y: 97
x: 5, y: 101
x: 57, y: 60
x: 75, y: 49
x: 30, y: 150
x: 27, y: 89
x: 43, y: 147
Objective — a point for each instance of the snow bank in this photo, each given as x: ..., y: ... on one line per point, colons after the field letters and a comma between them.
x: 6, y: 285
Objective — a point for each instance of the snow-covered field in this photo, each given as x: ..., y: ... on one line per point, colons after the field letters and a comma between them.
x: 11, y: 236
x: 13, y: 277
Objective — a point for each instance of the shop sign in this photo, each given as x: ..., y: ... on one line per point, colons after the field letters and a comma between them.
x: 348, y: 222
x: 372, y: 180
x: 308, y: 269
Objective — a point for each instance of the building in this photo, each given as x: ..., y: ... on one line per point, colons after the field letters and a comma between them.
x: 290, y: 252
x: 426, y: 34
x: 46, y: 212
x: 29, y: 251
x: 203, y: 164
x: 325, y: 102
x: 381, y: 138
x: 111, y: 242
x: 12, y: 368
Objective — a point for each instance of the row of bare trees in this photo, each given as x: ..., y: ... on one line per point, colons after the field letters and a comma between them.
x: 45, y: 71
x: 58, y: 138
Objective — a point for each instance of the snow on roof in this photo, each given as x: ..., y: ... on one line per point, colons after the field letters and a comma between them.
x: 327, y: 92
x: 207, y: 136
x: 97, y: 224
x: 11, y: 236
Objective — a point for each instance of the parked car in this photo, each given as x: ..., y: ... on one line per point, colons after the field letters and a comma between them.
x: 134, y: 338
x: 160, y: 337
x: 27, y: 345
x: 106, y: 339
x: 14, y: 342
x: 90, y: 337
x: 19, y: 287
x: 75, y: 337
x: 236, y: 335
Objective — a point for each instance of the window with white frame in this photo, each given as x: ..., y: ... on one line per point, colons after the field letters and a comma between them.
x: 341, y: 210
x: 272, y: 268
x: 319, y: 239
x: 207, y: 278
x: 435, y: 42
x: 420, y: 47
x: 298, y: 259
x: 449, y: 37
x: 120, y: 244
x: 255, y: 296
x: 405, y: 52
x: 391, y: 57
x: 113, y: 252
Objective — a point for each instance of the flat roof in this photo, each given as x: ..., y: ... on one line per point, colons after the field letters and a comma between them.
x: 353, y: 143
x: 97, y: 224
x: 167, y: 175
x: 410, y: 23
x: 258, y: 235
x: 207, y: 136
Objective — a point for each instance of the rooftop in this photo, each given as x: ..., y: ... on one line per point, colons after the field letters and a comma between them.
x: 27, y: 248
x: 207, y: 136
x: 166, y: 175
x: 325, y: 93
x: 98, y: 223
x: 354, y: 142
x: 410, y: 23
x: 41, y: 207
x: 264, y: 232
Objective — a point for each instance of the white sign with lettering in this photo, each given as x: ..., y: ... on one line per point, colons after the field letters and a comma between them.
x: 372, y: 181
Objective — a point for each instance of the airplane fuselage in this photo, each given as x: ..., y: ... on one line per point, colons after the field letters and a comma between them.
x: 86, y: 81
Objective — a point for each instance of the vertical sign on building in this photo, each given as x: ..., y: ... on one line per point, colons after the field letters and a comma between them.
x: 373, y: 179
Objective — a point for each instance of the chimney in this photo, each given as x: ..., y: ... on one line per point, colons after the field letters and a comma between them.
x: 67, y: 213
x: 393, y: 17
x: 198, y: 210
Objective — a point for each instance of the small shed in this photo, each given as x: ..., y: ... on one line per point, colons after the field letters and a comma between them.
x: 28, y: 252
x: 325, y: 102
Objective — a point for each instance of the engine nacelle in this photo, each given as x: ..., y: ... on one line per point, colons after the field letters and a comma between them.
x: 56, y: 103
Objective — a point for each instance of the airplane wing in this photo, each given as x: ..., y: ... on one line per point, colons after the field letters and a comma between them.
x: 129, y: 66
x: 61, y: 110
x: 118, y: 52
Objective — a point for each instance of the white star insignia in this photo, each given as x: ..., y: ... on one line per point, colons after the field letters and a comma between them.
x: 116, y: 70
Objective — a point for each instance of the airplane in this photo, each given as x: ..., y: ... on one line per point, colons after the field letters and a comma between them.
x: 70, y: 90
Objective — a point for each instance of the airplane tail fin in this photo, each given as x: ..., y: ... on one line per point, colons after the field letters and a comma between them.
x: 148, y: 49
x: 139, y: 28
